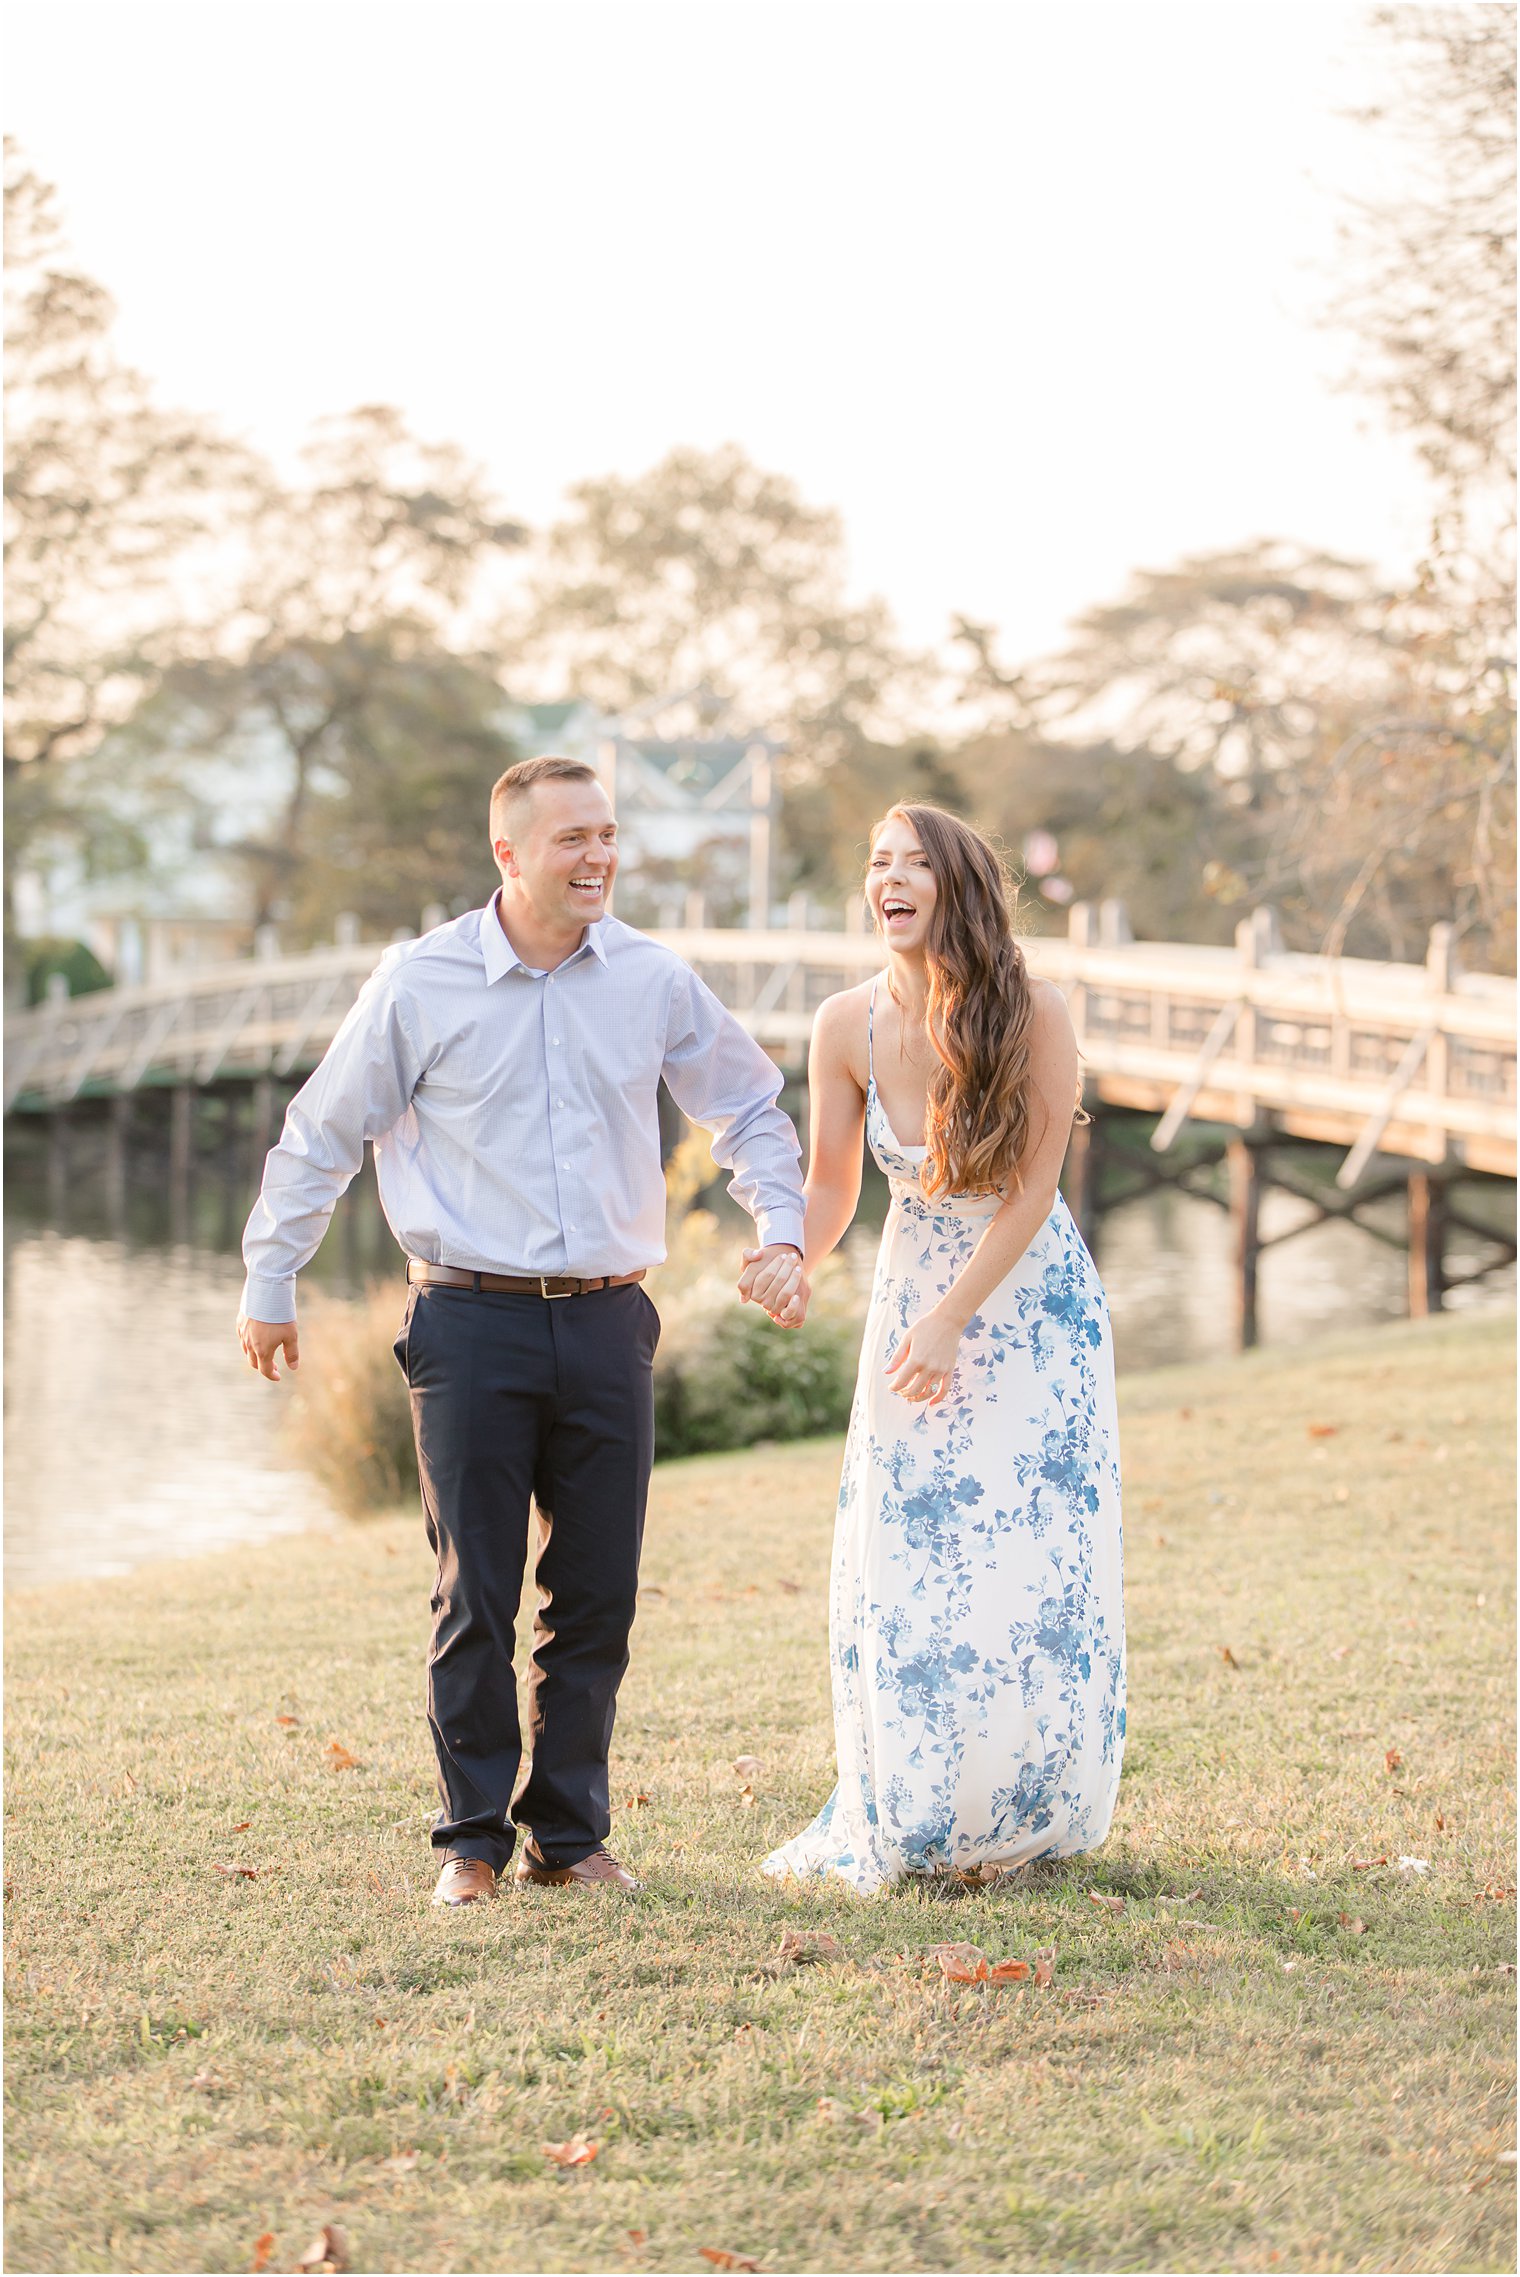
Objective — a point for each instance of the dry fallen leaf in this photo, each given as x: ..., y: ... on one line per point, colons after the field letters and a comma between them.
x: 959, y: 1964
x: 1362, y: 1865
x: 579, y: 2151
x: 236, y: 1873
x: 242, y: 1826
x: 328, y: 2251
x: 338, y: 1757
x: 1353, y: 1923
x: 1391, y: 1758
x: 1414, y: 1866
x: 636, y: 1802
x: 1045, y: 1965
x: 1110, y: 1904
x: 262, y: 2248
x: 1188, y: 1897
x: 636, y: 2237
x: 809, y: 1945
x: 748, y: 1768
x: 209, y: 2083
x: 400, y: 2162
x: 722, y: 2259
x: 1323, y: 1430
x: 289, y: 1722
x: 1008, y: 1972
x: 1228, y: 1657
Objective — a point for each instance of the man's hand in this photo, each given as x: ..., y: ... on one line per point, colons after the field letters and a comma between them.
x: 771, y: 1278
x: 264, y: 1340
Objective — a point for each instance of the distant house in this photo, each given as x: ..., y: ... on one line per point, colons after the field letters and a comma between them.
x: 696, y: 812
x: 179, y: 891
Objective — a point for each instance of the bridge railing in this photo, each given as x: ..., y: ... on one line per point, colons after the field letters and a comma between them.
x: 1416, y: 1059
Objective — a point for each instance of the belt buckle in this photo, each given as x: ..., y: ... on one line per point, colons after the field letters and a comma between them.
x: 550, y: 1295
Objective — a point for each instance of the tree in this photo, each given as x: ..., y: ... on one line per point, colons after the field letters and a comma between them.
x: 106, y: 497
x: 711, y: 579
x: 1432, y: 273
x: 340, y: 677
x: 1347, y: 762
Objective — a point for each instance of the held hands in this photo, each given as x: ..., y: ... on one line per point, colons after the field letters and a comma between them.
x: 773, y: 1279
x: 263, y: 1341
x: 924, y: 1362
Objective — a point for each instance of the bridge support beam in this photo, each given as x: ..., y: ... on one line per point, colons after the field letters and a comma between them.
x: 118, y: 1156
x: 1081, y: 1179
x: 1244, y: 1160
x: 1427, y: 1244
x: 181, y: 1158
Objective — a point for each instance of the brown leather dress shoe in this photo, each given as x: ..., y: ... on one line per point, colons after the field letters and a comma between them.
x: 600, y: 1868
x: 464, y: 1881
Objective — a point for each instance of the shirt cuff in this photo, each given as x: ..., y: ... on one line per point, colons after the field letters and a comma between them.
x: 273, y: 1301
x: 780, y: 1225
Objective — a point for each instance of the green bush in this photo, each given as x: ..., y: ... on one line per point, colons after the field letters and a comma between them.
x: 77, y: 962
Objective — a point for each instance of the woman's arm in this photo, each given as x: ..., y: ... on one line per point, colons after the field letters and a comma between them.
x: 836, y: 1128
x: 924, y: 1361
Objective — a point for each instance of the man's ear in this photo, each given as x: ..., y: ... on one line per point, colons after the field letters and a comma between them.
x: 506, y: 860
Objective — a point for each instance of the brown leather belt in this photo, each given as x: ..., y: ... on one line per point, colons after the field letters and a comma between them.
x: 423, y: 1275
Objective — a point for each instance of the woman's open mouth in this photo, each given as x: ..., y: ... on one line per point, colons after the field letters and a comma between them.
x: 896, y: 911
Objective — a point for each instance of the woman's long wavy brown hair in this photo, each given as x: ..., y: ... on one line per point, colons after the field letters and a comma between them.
x: 979, y: 1013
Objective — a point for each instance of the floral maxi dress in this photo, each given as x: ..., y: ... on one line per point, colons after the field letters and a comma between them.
x: 976, y: 1620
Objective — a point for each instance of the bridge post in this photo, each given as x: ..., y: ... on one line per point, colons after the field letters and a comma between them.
x: 118, y: 1144
x: 1081, y: 1178
x: 181, y: 1156
x: 58, y: 1162
x: 261, y: 1123
x: 1427, y: 1244
x: 1245, y: 1223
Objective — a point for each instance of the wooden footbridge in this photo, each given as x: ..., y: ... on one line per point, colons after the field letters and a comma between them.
x: 1392, y: 1064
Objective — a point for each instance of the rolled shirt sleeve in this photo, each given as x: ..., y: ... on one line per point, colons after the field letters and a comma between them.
x: 719, y: 1077
x: 360, y: 1091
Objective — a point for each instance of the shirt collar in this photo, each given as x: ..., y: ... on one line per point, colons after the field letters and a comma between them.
x: 500, y: 957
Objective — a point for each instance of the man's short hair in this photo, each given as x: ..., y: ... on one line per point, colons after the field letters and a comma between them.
x: 526, y: 774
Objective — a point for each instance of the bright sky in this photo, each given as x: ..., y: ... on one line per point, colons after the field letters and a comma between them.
x: 1025, y: 290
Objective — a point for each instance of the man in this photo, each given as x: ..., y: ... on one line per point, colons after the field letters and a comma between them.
x: 505, y: 1068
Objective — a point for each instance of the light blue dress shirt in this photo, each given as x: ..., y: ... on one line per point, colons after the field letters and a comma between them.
x: 514, y: 1115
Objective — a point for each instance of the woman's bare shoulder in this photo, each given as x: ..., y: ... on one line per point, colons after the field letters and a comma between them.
x: 1049, y: 998
x: 839, y: 1027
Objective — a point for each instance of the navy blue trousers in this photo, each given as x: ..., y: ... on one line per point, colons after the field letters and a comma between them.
x: 517, y: 1401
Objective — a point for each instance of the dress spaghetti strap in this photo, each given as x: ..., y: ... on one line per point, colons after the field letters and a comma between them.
x: 871, y: 1032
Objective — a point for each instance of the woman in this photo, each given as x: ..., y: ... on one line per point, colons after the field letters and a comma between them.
x: 976, y: 1620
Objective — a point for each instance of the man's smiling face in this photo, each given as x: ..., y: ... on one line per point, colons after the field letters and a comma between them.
x: 558, y: 849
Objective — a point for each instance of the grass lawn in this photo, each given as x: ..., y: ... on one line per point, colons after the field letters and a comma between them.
x: 1272, y: 2058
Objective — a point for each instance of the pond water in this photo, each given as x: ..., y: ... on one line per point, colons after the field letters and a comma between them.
x: 134, y: 1431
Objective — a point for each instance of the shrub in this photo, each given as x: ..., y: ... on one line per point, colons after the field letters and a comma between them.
x: 78, y: 963
x: 350, y: 1421
x: 724, y: 1375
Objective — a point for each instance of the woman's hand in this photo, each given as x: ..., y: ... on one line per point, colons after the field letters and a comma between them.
x: 924, y: 1362
x: 771, y: 1278
x: 793, y: 1313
